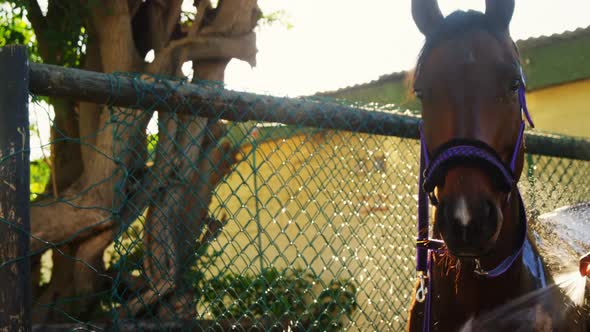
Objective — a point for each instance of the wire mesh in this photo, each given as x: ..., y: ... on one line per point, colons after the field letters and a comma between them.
x: 215, y: 225
x: 297, y: 229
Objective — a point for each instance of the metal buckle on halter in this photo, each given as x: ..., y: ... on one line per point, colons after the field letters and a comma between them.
x: 508, y: 197
x: 422, y: 243
x: 422, y: 290
x: 433, y: 199
x: 430, y: 244
x: 478, y: 269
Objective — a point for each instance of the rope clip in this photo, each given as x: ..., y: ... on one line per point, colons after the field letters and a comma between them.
x: 478, y: 269
x: 422, y: 290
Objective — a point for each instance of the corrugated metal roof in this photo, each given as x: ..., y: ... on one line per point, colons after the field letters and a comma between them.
x: 544, y: 40
x: 393, y: 77
x: 524, y: 44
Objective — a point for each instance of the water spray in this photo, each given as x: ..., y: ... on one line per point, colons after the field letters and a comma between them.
x: 585, y: 265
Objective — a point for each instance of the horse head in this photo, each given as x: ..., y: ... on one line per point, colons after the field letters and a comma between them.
x: 468, y: 79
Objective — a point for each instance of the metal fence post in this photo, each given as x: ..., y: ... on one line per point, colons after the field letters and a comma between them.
x: 15, y: 270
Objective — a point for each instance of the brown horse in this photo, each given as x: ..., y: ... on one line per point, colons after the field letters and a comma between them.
x: 468, y: 78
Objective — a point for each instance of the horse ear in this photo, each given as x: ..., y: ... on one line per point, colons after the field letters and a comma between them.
x: 427, y: 16
x: 499, y: 12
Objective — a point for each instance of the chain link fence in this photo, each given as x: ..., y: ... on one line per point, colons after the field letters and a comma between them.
x: 208, y: 209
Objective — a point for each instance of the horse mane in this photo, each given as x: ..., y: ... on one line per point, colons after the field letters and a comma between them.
x: 455, y: 25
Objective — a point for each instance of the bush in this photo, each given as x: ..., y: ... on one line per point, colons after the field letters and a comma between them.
x: 292, y: 295
x: 289, y: 295
x: 40, y: 174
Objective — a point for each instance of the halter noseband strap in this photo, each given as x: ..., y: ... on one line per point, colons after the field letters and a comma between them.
x: 431, y: 171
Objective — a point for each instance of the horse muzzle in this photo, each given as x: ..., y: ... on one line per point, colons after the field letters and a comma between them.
x: 470, y: 226
x: 473, y: 184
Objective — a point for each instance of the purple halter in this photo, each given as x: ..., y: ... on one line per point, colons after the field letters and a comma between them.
x: 452, y: 152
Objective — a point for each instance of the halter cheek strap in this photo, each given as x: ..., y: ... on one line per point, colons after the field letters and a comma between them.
x: 431, y: 170
x: 507, y: 262
x: 522, y: 99
x: 517, y: 147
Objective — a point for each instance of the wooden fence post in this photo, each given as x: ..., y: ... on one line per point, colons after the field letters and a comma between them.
x: 15, y: 271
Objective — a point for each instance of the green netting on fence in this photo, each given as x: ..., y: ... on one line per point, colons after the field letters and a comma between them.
x: 268, y: 224
x: 215, y: 224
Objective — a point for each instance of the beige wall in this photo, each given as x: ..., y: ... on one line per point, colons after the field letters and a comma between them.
x: 563, y: 109
x: 326, y: 204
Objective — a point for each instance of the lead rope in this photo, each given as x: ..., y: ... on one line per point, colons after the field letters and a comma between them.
x: 423, y: 254
x: 422, y: 208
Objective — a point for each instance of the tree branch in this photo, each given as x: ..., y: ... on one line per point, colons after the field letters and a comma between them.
x: 204, y: 48
x: 62, y: 222
x: 35, y: 15
x: 173, y: 18
x: 39, y: 23
x: 228, y: 23
x: 229, y: 35
x: 112, y: 24
x: 163, y: 16
x: 145, y: 300
x: 203, y: 7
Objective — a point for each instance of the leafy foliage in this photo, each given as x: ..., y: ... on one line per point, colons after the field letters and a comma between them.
x: 289, y: 295
x: 279, y: 16
x: 40, y: 174
x: 15, y: 29
x: 152, y: 143
x: 57, y: 41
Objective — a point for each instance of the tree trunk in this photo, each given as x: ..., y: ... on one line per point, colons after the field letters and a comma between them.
x: 66, y: 159
x: 113, y: 145
x: 47, y: 308
x: 83, y: 215
x: 173, y: 228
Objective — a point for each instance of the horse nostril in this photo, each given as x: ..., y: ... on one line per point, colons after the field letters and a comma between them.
x: 463, y: 231
x: 449, y: 214
x: 489, y: 209
x: 485, y: 208
x: 444, y: 211
x: 489, y: 219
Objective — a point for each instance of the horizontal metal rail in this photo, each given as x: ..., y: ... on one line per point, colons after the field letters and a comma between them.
x: 211, y: 101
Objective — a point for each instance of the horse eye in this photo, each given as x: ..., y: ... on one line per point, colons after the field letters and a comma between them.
x: 515, y: 85
x: 418, y: 93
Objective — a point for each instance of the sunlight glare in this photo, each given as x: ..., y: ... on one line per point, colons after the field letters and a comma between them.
x: 573, y: 285
x: 337, y: 43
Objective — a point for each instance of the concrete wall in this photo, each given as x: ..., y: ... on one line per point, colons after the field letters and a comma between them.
x: 385, y: 92
x: 343, y: 205
x: 557, y: 70
x: 336, y: 203
x: 563, y: 109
